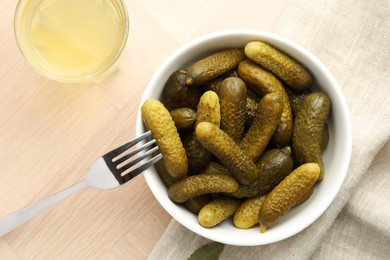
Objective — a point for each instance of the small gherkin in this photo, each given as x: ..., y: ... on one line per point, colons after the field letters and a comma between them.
x: 285, y: 68
x: 263, y: 127
x: 228, y: 152
x: 217, y: 210
x: 247, y: 215
x: 309, y: 125
x: 196, y: 185
x: 232, y: 99
x: 286, y: 194
x: 213, y: 66
x: 158, y: 119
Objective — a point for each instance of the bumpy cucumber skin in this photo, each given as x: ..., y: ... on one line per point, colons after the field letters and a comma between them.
x: 309, y: 129
x: 274, y: 165
x: 228, y: 152
x: 264, y: 124
x: 286, y: 194
x: 305, y: 196
x: 296, y: 99
x: 213, y: 66
x: 250, y: 111
x: 215, y: 168
x: 208, y: 110
x: 325, y: 138
x: 247, y: 215
x: 158, y: 119
x: 198, y: 155
x: 192, y: 204
x: 163, y: 172
x: 232, y: 99
x: 263, y: 82
x: 217, y: 210
x: 215, y: 84
x: 196, y: 185
x: 284, y: 67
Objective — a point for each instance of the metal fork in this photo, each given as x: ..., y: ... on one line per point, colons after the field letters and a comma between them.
x: 107, y: 172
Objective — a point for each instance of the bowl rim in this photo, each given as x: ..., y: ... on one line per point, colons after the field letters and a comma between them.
x: 171, y: 208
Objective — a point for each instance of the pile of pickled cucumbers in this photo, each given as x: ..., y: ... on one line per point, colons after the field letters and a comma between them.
x: 242, y: 134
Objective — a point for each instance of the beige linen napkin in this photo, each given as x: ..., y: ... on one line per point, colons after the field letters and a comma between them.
x: 352, y: 38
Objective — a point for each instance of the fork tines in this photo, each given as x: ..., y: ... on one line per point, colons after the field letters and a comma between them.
x: 124, y: 162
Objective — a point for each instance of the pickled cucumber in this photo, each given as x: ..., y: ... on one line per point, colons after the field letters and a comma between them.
x: 177, y: 94
x: 195, y: 204
x: 296, y: 99
x: 284, y: 67
x: 208, y: 110
x: 184, y: 118
x: 196, y: 185
x: 305, y: 196
x: 286, y: 194
x: 215, y: 84
x: 264, y: 124
x: 158, y: 119
x: 274, y: 165
x: 228, y: 152
x: 263, y: 82
x: 247, y: 215
x: 308, y: 129
x: 251, y: 108
x: 217, y: 210
x: 215, y: 168
x: 325, y: 137
x: 232, y: 99
x: 163, y: 173
x: 198, y: 155
x: 213, y: 66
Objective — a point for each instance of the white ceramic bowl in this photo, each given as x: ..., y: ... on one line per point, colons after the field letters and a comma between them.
x: 336, y: 156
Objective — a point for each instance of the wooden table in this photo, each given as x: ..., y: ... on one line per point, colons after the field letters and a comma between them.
x: 50, y: 132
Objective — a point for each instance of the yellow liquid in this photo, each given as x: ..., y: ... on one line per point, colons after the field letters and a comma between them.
x: 72, y: 38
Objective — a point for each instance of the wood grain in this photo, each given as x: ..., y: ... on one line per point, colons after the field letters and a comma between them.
x: 50, y: 132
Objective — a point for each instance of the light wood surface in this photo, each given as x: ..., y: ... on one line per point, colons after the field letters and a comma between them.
x: 50, y: 132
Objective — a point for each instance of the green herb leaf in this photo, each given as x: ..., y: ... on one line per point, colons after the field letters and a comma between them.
x: 210, y: 251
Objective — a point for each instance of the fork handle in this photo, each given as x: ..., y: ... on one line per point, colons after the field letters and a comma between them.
x: 17, y: 218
